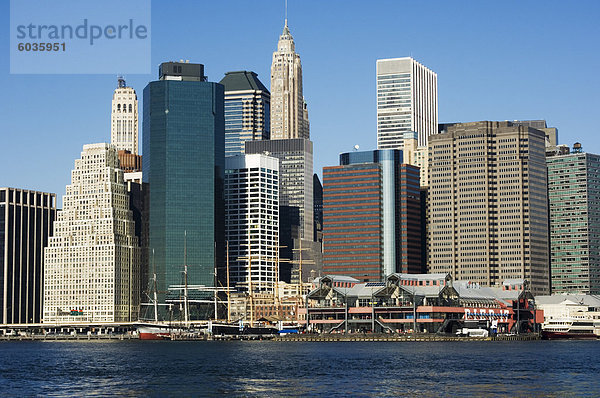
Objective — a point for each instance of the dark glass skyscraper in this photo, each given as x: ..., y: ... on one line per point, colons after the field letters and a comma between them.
x: 26, y: 219
x: 184, y: 162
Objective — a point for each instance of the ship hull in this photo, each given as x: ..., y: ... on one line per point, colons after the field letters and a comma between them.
x: 154, y: 333
x: 546, y: 335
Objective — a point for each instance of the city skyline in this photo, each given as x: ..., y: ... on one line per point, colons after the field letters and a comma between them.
x: 477, y: 75
x: 430, y: 201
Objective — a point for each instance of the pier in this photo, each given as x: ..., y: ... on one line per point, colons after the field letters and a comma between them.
x: 68, y: 337
x: 310, y: 337
x: 399, y: 338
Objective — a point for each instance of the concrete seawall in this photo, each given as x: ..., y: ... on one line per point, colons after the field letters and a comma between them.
x: 292, y: 337
x: 79, y: 337
x: 387, y: 337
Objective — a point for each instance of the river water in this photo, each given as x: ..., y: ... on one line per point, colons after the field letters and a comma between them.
x: 274, y: 369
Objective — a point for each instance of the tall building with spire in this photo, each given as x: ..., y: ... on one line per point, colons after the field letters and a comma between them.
x: 124, y: 118
x: 289, y: 115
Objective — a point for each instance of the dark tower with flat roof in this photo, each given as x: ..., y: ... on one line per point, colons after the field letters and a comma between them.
x: 184, y: 163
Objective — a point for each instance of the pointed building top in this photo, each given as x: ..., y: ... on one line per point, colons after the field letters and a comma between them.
x: 286, y: 35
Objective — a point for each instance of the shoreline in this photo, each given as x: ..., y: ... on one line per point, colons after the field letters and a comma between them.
x: 288, y: 338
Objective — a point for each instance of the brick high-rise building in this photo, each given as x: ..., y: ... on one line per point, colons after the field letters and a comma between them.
x: 371, y: 216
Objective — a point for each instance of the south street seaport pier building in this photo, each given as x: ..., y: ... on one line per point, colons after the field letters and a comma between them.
x: 432, y: 303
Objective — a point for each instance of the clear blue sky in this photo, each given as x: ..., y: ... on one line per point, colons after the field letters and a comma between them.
x: 495, y: 60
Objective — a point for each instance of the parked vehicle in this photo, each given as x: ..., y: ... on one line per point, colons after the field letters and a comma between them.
x: 468, y: 332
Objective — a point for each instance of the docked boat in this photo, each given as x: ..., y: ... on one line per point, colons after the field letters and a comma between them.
x: 569, y: 328
x: 150, y: 332
x: 236, y: 330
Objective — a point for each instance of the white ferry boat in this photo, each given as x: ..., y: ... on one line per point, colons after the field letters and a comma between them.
x: 570, y: 328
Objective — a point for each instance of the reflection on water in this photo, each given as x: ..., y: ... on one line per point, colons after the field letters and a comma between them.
x: 135, y: 368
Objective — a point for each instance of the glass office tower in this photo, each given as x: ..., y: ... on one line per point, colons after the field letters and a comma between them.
x: 184, y: 162
x: 247, y: 110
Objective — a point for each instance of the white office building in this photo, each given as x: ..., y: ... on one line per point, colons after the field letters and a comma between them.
x: 252, y: 221
x: 406, y: 101
x: 124, y: 123
x: 92, y: 261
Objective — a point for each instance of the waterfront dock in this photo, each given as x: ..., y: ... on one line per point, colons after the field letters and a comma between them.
x: 292, y: 337
x: 68, y: 337
x: 399, y: 338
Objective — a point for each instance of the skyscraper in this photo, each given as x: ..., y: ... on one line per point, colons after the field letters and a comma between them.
x: 371, y: 216
x: 289, y: 114
x: 416, y: 155
x: 551, y: 132
x: 295, y: 191
x: 252, y: 221
x: 26, y: 219
x: 296, y: 178
x: 406, y: 101
x: 124, y: 118
x: 184, y: 164
x: 488, y: 204
x: 92, y: 261
x: 247, y: 110
x: 318, y: 209
x: 574, y: 196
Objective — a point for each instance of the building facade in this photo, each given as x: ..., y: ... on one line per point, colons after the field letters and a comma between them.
x: 431, y: 303
x: 295, y: 196
x: 129, y: 162
x: 252, y: 221
x: 574, y: 197
x: 551, y: 132
x: 296, y: 178
x: 26, y: 219
x: 247, y: 110
x: 184, y: 164
x: 406, y: 101
x: 289, y: 114
x: 318, y: 209
x: 416, y: 155
x: 124, y: 124
x: 371, y: 216
x: 488, y: 204
x: 92, y: 262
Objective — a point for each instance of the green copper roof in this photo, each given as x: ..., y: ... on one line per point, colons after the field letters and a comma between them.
x: 242, y: 80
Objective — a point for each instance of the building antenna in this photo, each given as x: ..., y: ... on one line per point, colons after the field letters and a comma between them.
x: 285, y: 12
